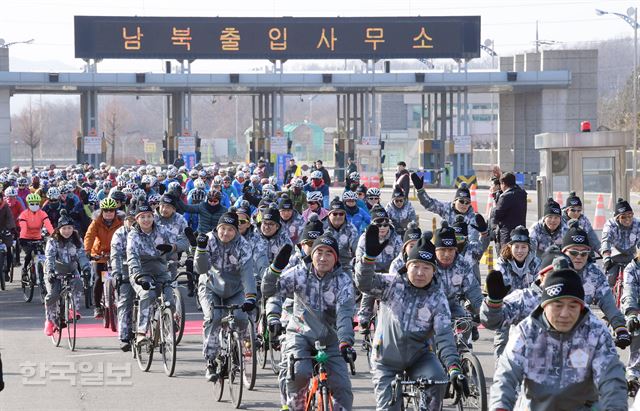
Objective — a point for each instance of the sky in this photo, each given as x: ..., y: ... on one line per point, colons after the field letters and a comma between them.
x: 511, y: 24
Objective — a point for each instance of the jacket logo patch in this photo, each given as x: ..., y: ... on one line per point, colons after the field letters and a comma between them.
x: 554, y: 290
x: 457, y: 229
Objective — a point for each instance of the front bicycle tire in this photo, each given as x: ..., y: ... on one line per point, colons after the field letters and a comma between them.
x: 28, y: 286
x: 168, y: 342
x: 144, y: 350
x: 249, y: 356
x: 472, y: 369
x: 41, y: 286
x: 275, y: 358
x: 3, y: 262
x: 112, y: 307
x: 235, y: 369
x: 325, y: 399
x: 218, y: 388
x: 56, y: 337
x: 70, y: 307
x: 180, y: 314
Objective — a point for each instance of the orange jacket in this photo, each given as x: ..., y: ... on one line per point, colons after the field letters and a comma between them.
x: 97, y: 240
x: 31, y: 224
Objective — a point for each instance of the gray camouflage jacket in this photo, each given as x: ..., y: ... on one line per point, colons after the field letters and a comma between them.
x: 265, y: 249
x: 514, y: 308
x: 119, y: 253
x: 630, y: 301
x: 323, y: 308
x: 615, y: 235
x: 294, y: 227
x: 585, y: 224
x: 65, y: 252
x: 560, y: 371
x: 229, y: 266
x: 519, y: 277
x: 347, y: 237
x: 142, y: 256
x: 383, y: 261
x: 176, y: 225
x: 447, y: 211
x: 401, y: 217
x: 598, y: 292
x: 408, y: 318
x: 541, y: 238
x: 458, y: 282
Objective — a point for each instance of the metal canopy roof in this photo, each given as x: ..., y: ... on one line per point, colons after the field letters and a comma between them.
x: 287, y: 83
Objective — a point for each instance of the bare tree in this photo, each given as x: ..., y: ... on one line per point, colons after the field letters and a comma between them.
x: 113, y: 119
x: 30, y: 126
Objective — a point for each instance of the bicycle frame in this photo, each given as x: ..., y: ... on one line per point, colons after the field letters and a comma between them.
x: 416, y: 387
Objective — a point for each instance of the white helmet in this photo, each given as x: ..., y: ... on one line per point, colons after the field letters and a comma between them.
x: 349, y: 195
x: 199, y: 184
x: 316, y: 174
x: 53, y: 193
x: 314, y: 196
x: 373, y: 192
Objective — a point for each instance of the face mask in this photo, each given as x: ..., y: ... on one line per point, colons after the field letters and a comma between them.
x: 34, y: 207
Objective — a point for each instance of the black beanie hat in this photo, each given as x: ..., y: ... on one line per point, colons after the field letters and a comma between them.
x: 520, y: 234
x: 445, y: 236
x: 413, y: 232
x: 622, y: 206
x: 64, y: 219
x: 328, y: 241
x: 551, y: 253
x: 377, y: 211
x: 143, y: 207
x: 397, y: 192
x: 561, y: 282
x: 230, y: 217
x: 463, y: 192
x: 313, y: 229
x: 285, y: 203
x: 552, y: 208
x: 573, y: 200
x: 336, y: 205
x: 460, y: 226
x: 362, y: 189
x: 424, y: 250
x: 271, y: 214
x: 575, y: 235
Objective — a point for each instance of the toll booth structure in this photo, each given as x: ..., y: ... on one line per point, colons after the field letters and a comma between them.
x: 590, y: 164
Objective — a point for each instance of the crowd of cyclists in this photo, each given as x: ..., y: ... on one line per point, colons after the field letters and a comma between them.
x: 323, y: 269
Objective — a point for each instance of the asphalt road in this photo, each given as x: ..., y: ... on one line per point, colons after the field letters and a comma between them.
x: 98, y: 376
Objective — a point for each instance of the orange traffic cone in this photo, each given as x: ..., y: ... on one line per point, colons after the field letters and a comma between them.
x: 559, y: 199
x: 490, y: 205
x: 599, y: 219
x: 474, y: 198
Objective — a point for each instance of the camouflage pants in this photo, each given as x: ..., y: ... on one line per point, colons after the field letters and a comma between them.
x: 339, y: 382
x: 213, y: 317
x: 147, y: 297
x: 633, y: 369
x: 126, y: 295
x: 53, y: 296
x: 427, y: 366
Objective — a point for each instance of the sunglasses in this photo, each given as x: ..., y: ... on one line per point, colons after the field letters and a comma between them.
x: 338, y: 214
x: 242, y: 221
x: 464, y: 202
x: 399, y: 200
x: 373, y: 198
x: 381, y: 223
x: 575, y: 253
x: 214, y: 200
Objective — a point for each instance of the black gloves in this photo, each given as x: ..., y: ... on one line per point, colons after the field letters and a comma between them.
x: 623, y: 338
x: 164, y: 248
x: 202, y: 240
x: 348, y: 353
x: 496, y: 288
x: 191, y: 236
x: 282, y: 259
x: 245, y: 187
x: 372, y: 246
x: 607, y: 262
x: 248, y: 305
x: 480, y: 225
x: 633, y: 325
x: 275, y: 328
x: 417, y: 181
x: 51, y: 277
x: 459, y: 381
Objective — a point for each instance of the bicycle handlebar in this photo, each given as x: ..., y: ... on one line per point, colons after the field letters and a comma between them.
x: 228, y: 307
x: 293, y: 360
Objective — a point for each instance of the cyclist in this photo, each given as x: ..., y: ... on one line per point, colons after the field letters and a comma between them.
x: 223, y: 260
x: 573, y: 211
x: 120, y: 271
x: 195, y: 197
x: 403, y: 336
x: 317, y: 184
x: 53, y: 206
x: 518, y: 262
x: 323, y: 306
x: 561, y: 354
x: 631, y: 309
x: 344, y: 232
x: 400, y: 211
x: 269, y: 239
x: 229, y: 190
x: 290, y: 219
x: 409, y: 240
x: 314, y: 203
x: 31, y: 223
x: 97, y: 244
x: 575, y: 245
x: 621, y: 234
x: 461, y: 204
x: 356, y: 215
x: 210, y: 211
x: 373, y: 197
x: 297, y: 196
x: 148, y: 246
x: 8, y: 224
x: 65, y: 246
x: 167, y: 217
x: 549, y: 230
x: 16, y: 206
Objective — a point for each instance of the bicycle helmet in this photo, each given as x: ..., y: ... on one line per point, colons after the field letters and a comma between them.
x: 314, y: 196
x: 108, y: 204
x: 64, y: 189
x: 92, y: 198
x: 217, y: 181
x: 373, y: 192
x: 133, y: 186
x: 127, y: 192
x: 22, y: 181
x: 146, y: 179
x: 11, y: 192
x: 273, y: 180
x: 193, y: 173
x: 171, y: 173
x: 121, y: 182
x: 53, y: 193
x: 199, y: 184
x: 140, y: 194
x: 214, y: 194
x: 33, y: 199
x: 240, y: 174
x: 117, y: 195
x: 198, y: 195
x: 202, y: 174
x: 174, y: 187
x: 354, y: 176
x: 154, y: 199
x: 226, y: 179
x: 297, y: 183
x: 349, y: 195
x: 316, y: 175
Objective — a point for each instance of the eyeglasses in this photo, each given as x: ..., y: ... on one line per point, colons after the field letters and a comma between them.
x: 381, y: 223
x: 373, y: 198
x: 338, y: 214
x: 464, y: 202
x: 399, y: 200
x: 214, y: 200
x: 576, y: 253
x: 269, y: 224
x: 575, y: 210
x: 626, y: 217
x: 109, y: 211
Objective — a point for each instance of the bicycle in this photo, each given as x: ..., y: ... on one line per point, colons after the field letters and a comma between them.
x: 160, y: 333
x: 230, y: 357
x: 620, y: 261
x: 319, y: 395
x: 262, y: 338
x: 367, y: 341
x: 35, y: 273
x: 6, y: 259
x: 67, y: 315
x: 180, y: 314
x: 109, y: 296
x: 471, y: 368
x: 412, y: 393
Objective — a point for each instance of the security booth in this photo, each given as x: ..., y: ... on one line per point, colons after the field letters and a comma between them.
x: 592, y: 164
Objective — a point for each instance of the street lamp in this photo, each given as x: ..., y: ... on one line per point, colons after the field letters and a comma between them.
x: 489, y: 47
x: 632, y: 19
x: 5, y: 45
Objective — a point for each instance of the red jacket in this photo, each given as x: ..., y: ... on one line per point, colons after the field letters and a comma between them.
x: 16, y: 207
x: 31, y: 224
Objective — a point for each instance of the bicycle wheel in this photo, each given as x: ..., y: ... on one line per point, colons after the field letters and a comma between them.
x: 27, y: 286
x: 3, y: 261
x: 262, y: 341
x: 70, y: 307
x: 144, y: 349
x: 218, y: 387
x: 249, y: 356
x: 57, y: 332
x: 325, y: 399
x: 180, y: 314
x: 472, y: 369
x: 9, y: 266
x: 275, y: 358
x: 41, y: 286
x: 88, y: 291
x: 234, y: 369
x: 106, y: 314
x: 168, y: 342
x: 113, y: 308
